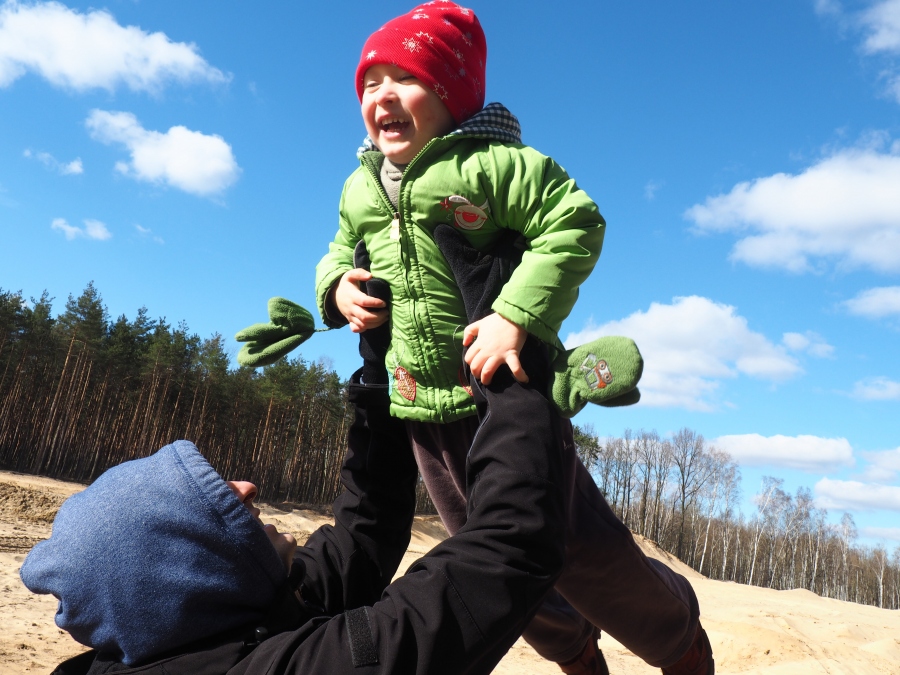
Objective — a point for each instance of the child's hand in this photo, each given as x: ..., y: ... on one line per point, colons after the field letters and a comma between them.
x: 361, y: 310
x: 493, y: 341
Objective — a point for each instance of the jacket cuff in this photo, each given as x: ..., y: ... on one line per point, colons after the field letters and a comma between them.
x: 327, y: 309
x: 532, y: 324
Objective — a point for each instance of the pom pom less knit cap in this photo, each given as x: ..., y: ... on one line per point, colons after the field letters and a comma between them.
x: 443, y: 45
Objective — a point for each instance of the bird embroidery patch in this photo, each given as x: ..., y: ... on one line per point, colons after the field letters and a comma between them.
x: 466, y: 215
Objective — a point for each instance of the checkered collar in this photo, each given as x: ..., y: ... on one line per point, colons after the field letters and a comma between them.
x: 494, y: 122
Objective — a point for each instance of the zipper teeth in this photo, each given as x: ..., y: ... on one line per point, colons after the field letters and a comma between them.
x: 381, y: 189
x: 396, y: 212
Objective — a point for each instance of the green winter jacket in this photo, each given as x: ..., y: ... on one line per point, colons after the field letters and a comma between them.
x: 483, y: 187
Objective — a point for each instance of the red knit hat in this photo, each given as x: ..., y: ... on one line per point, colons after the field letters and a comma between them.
x: 442, y: 44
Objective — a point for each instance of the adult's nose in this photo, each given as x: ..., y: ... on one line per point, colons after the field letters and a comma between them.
x: 243, y: 490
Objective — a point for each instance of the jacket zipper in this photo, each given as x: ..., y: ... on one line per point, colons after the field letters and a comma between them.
x: 396, y: 236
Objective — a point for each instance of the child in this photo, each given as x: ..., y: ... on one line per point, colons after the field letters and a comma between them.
x: 435, y: 155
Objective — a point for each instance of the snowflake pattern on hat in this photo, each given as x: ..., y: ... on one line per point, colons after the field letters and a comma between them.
x: 445, y: 51
x: 449, y: 72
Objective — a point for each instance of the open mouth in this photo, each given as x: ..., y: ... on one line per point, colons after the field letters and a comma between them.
x: 394, y: 125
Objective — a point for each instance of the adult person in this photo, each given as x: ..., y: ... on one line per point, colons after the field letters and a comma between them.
x: 160, y: 567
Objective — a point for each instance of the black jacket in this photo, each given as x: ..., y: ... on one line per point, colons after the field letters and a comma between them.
x: 457, y: 610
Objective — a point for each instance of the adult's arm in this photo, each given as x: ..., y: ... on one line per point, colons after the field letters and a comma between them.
x: 351, y: 563
x: 461, y: 607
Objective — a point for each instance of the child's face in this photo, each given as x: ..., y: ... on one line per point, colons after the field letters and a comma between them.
x: 401, y: 114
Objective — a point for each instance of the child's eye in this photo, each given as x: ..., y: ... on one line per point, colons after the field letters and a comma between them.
x: 404, y: 78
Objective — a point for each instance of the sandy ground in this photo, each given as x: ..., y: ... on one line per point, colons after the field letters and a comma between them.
x: 752, y: 630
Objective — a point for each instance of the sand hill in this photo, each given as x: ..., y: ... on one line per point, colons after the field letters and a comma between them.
x: 752, y: 630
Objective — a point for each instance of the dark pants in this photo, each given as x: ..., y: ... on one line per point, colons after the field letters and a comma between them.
x: 607, y: 581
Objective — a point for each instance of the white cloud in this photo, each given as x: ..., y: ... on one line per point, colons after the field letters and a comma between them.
x: 810, y: 342
x: 875, y: 303
x: 881, y: 533
x: 828, y: 7
x: 877, y: 389
x: 93, y: 229
x: 852, y: 495
x: 882, y: 23
x: 880, y: 28
x: 188, y: 160
x: 889, y: 459
x: 89, y: 51
x: 651, y: 188
x: 689, y: 346
x: 807, y: 453
x: 893, y: 85
x: 63, y: 226
x: 73, y: 168
x: 845, y: 209
x: 147, y: 232
x: 883, y: 465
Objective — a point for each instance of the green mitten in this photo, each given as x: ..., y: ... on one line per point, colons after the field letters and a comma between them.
x: 290, y: 326
x: 605, y: 371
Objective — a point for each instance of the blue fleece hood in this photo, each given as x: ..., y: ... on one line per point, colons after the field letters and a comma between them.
x: 155, y: 554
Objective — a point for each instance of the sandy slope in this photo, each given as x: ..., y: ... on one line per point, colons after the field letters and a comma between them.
x: 753, y: 630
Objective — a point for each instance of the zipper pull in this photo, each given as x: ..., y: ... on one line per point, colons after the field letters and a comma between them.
x: 395, y: 228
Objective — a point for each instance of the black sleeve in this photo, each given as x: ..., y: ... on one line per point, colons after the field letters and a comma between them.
x: 461, y: 606
x: 351, y: 563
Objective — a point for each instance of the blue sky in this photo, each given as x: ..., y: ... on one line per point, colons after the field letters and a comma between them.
x: 188, y: 157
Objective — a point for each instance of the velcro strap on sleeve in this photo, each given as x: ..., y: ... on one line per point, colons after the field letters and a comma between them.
x: 362, y: 644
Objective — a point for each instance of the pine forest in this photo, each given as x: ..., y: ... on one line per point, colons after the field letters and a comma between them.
x: 80, y: 392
